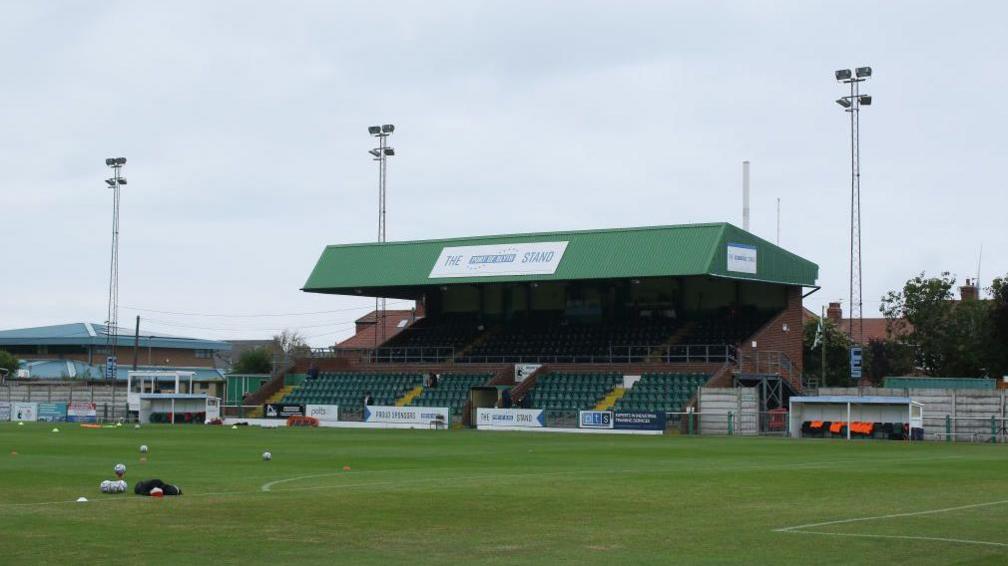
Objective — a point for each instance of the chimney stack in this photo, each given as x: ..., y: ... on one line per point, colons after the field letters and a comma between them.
x: 969, y: 291
x: 834, y: 312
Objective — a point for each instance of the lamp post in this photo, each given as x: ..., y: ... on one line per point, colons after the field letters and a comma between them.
x: 852, y: 104
x: 115, y: 182
x: 381, y: 154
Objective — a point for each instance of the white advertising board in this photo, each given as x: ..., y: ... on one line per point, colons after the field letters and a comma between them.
x: 324, y: 413
x: 24, y: 412
x: 510, y: 418
x: 524, y: 370
x: 417, y: 416
x: 5, y: 411
x: 533, y: 258
x: 82, y: 412
x: 741, y: 258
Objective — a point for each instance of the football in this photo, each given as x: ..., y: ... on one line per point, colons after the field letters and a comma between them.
x: 267, y: 456
x: 143, y: 448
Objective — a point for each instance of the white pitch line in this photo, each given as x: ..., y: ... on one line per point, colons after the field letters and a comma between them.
x: 800, y: 529
x: 269, y: 485
x: 892, y: 516
x: 904, y: 537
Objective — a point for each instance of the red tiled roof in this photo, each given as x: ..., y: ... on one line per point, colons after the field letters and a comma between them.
x: 395, y: 322
x: 875, y: 328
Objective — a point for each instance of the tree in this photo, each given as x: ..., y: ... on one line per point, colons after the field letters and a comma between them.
x: 837, y: 345
x: 291, y: 343
x: 883, y: 358
x: 998, y: 346
x: 950, y: 338
x: 9, y: 363
x: 256, y: 360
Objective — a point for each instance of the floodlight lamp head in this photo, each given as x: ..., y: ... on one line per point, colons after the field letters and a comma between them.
x: 865, y: 100
x: 122, y: 180
x: 110, y: 161
x: 374, y: 152
x: 842, y: 74
x: 110, y: 182
x: 374, y: 130
x: 844, y: 102
x: 389, y: 151
x: 863, y: 72
x: 120, y: 161
x: 387, y: 128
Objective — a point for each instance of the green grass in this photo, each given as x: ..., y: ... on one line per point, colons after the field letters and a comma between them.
x: 463, y: 497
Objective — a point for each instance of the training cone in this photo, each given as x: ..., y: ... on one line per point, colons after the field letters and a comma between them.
x: 143, y: 460
x: 346, y: 468
x: 55, y: 430
x: 20, y: 423
x: 13, y: 452
x: 234, y: 427
x: 136, y: 426
x: 82, y: 500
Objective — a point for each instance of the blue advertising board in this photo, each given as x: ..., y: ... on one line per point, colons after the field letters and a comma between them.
x: 595, y: 419
x: 855, y: 362
x: 51, y: 412
x: 639, y: 420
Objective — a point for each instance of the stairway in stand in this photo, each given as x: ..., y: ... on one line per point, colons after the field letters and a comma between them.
x: 657, y: 354
x: 409, y: 396
x: 257, y: 413
x: 610, y: 399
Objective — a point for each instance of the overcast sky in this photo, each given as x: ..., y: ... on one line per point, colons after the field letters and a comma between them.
x: 245, y: 129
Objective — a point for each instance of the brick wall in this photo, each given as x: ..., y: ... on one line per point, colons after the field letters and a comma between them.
x: 783, y: 333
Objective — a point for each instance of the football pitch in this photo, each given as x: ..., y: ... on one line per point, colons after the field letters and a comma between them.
x: 465, y: 496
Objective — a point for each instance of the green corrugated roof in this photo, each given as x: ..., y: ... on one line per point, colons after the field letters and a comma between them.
x: 656, y: 251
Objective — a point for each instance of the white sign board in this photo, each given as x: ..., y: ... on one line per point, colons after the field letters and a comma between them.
x: 212, y: 409
x: 508, y: 418
x: 419, y: 416
x: 323, y: 413
x: 524, y: 370
x: 5, y: 411
x: 24, y: 412
x: 742, y: 258
x: 533, y: 258
x: 82, y: 412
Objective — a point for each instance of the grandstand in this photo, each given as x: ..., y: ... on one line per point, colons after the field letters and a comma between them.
x: 679, y: 306
x: 667, y: 392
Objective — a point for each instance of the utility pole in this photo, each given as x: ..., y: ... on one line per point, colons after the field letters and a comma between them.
x: 852, y: 105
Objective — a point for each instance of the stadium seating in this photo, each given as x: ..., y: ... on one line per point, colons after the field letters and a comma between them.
x: 661, y: 392
x: 572, y: 391
x: 858, y: 429
x: 725, y: 327
x: 572, y: 342
x: 429, y: 340
x: 347, y: 389
x: 452, y: 391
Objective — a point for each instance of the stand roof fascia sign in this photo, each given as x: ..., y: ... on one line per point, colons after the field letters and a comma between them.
x: 717, y: 250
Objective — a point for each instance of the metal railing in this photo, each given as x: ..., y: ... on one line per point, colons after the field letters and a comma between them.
x: 663, y: 353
